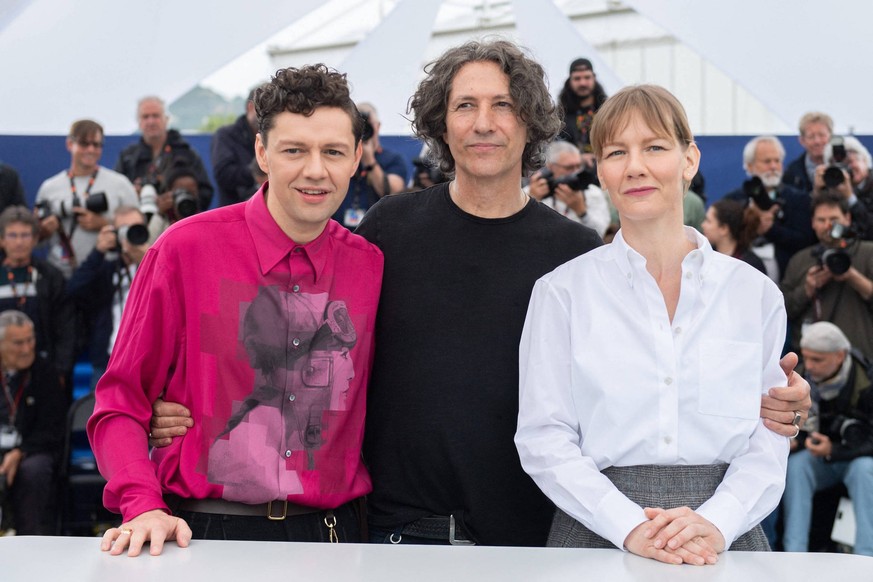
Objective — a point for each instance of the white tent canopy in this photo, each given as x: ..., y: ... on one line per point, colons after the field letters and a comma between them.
x: 94, y: 58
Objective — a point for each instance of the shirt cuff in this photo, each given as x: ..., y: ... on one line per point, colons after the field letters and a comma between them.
x: 616, y: 517
x: 727, y: 514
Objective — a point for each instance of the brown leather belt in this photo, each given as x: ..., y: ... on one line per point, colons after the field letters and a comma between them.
x: 275, y: 510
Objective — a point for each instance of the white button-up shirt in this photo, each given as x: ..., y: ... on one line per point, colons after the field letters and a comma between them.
x: 606, y: 379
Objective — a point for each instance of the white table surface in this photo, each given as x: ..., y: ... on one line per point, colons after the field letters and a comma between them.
x: 51, y: 559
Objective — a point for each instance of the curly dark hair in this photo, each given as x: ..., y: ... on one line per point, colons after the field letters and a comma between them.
x: 302, y: 91
x: 527, y: 86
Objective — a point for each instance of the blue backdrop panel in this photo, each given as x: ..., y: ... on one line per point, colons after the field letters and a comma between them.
x: 39, y: 157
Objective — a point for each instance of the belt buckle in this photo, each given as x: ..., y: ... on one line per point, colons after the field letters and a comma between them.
x: 452, y: 540
x: 277, y: 516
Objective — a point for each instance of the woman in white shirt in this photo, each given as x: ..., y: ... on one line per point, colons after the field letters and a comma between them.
x: 643, y: 362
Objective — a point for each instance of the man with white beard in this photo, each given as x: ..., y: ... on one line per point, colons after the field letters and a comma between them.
x: 783, y: 211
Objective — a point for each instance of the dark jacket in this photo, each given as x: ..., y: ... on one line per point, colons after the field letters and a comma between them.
x: 55, y: 316
x: 848, y: 419
x: 577, y: 119
x: 11, y: 190
x: 135, y: 162
x: 792, y: 229
x: 40, y: 419
x: 91, y: 288
x: 795, y: 175
x: 233, y: 149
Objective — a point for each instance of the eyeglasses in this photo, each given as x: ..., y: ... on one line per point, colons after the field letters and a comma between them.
x: 18, y: 235
x: 85, y: 143
x: 569, y: 167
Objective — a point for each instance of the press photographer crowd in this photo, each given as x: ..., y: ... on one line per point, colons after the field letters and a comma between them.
x: 70, y: 262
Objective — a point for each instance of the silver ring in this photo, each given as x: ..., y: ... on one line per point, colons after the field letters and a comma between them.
x: 797, y: 418
x: 796, y: 432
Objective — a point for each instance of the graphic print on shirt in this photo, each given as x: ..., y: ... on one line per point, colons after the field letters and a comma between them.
x: 298, y: 346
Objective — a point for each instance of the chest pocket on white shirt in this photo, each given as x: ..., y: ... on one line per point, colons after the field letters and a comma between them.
x: 730, y: 379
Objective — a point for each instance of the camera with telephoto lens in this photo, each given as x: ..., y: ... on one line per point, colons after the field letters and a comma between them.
x: 43, y: 209
x: 754, y: 188
x: 578, y: 181
x: 96, y: 203
x: 369, y: 131
x: 836, y: 258
x: 148, y: 198
x: 135, y: 234
x: 833, y: 175
x: 185, y: 203
x: 853, y: 432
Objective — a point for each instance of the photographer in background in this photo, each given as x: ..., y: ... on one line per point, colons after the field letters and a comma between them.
x: 846, y: 171
x: 381, y: 172
x: 31, y: 428
x: 580, y: 99
x: 233, y: 153
x: 36, y: 288
x: 816, y: 129
x: 100, y: 286
x: 831, y: 281
x: 76, y: 203
x: 570, y: 188
x: 838, y: 443
x: 158, y: 150
x: 783, y: 212
x: 177, y: 200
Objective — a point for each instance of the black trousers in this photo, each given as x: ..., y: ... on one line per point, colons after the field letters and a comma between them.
x: 309, y: 527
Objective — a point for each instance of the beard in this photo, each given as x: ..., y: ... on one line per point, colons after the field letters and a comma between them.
x: 771, y: 179
x: 583, y: 92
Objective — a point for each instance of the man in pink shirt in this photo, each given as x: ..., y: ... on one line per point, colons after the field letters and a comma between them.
x: 258, y: 317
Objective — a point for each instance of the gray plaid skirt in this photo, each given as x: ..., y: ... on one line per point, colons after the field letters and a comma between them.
x: 655, y: 486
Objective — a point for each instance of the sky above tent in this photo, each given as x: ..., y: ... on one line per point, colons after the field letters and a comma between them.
x: 94, y: 58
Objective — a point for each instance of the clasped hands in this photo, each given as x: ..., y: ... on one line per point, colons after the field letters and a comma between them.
x: 676, y: 536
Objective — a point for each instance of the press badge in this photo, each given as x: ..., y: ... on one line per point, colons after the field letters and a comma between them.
x: 9, y: 438
x: 353, y: 217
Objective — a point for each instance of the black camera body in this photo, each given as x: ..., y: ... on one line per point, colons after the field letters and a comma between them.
x: 43, y: 209
x: 852, y: 432
x: 754, y: 189
x: 136, y: 234
x: 96, y: 203
x: 833, y: 174
x: 836, y: 259
x: 369, y: 131
x: 578, y: 181
x: 185, y: 203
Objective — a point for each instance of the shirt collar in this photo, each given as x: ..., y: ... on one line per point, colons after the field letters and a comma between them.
x: 630, y: 262
x: 273, y: 245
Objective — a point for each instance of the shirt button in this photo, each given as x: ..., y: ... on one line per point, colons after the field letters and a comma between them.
x: 668, y: 380
x: 667, y: 440
x: 295, y: 342
x: 287, y: 454
x: 296, y: 288
x: 298, y: 250
x: 688, y: 275
x: 677, y: 331
x: 291, y: 398
x: 629, y: 275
